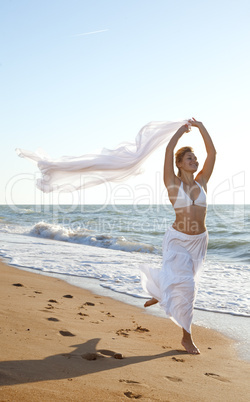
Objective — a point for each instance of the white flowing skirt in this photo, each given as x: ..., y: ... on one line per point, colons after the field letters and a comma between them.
x: 174, y: 285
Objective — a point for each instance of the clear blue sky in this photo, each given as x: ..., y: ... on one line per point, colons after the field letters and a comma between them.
x: 80, y: 75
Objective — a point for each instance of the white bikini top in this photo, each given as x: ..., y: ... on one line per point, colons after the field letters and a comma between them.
x: 183, y: 200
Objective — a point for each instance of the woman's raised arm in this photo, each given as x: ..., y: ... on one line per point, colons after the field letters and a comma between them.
x: 208, y: 166
x: 169, y: 174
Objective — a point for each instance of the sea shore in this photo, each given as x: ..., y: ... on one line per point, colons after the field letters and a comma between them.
x: 59, y: 342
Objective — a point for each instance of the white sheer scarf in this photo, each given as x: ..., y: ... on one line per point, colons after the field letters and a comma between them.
x: 70, y: 173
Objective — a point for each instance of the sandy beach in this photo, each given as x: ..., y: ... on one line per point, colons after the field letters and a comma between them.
x: 63, y: 343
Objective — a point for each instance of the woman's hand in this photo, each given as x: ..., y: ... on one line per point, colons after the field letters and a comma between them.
x: 208, y: 166
x: 195, y: 123
x: 185, y: 129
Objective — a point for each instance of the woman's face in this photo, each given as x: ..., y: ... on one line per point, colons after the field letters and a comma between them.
x: 189, y: 162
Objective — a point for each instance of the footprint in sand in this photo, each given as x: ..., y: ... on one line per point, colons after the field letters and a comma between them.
x: 88, y: 304
x: 36, y: 291
x: 131, y: 395
x: 217, y: 377
x: 53, y: 319
x: 110, y: 353
x: 129, y: 381
x: 83, y: 314
x: 19, y: 285
x: 50, y: 307
x: 66, y: 333
x: 52, y: 301
x: 123, y: 332
x: 178, y: 360
x: 109, y: 314
x: 68, y: 296
x: 141, y: 329
x: 173, y: 379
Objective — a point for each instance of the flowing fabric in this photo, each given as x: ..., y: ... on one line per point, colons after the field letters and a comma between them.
x: 70, y: 173
x: 174, y: 285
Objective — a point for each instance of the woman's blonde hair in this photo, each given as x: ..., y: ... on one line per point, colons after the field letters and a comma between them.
x: 179, y: 156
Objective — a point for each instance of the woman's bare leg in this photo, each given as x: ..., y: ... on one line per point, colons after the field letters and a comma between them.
x: 150, y: 302
x: 188, y: 344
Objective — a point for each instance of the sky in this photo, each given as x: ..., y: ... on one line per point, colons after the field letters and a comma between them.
x: 76, y: 76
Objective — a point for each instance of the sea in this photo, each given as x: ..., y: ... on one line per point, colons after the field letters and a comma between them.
x: 100, y: 247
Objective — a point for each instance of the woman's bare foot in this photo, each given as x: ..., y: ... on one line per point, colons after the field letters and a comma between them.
x: 188, y: 344
x: 150, y: 302
x: 190, y: 347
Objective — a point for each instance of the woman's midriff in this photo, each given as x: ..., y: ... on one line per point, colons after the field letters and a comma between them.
x: 190, y: 220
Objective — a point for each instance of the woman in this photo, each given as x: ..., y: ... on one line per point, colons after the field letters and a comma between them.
x: 185, y: 243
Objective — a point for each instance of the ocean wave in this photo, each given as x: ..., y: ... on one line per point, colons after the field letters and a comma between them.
x: 88, y: 237
x: 227, y: 243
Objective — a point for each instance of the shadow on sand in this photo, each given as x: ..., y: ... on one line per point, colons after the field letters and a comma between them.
x: 69, y: 365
